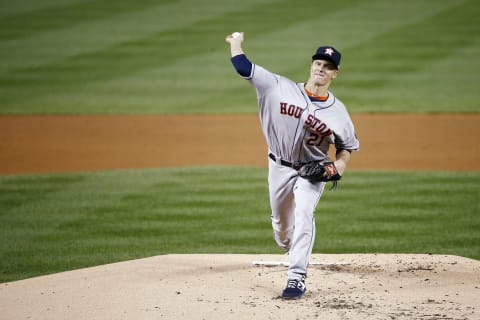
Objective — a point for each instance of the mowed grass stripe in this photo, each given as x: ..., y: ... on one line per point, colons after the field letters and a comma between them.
x: 11, y: 8
x: 151, y: 51
x: 358, y: 24
x: 144, y: 61
x: 51, y: 223
x: 402, y: 212
x: 65, y: 78
x: 57, y: 80
x: 64, y: 15
x: 417, y: 61
x: 84, y: 36
x: 163, y: 208
x: 268, y: 49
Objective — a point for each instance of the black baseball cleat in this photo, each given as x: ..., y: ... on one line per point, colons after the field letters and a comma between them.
x: 295, y: 289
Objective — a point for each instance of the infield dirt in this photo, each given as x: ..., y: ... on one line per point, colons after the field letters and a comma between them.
x: 47, y: 144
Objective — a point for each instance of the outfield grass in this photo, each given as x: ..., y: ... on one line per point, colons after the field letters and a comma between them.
x: 51, y: 223
x: 97, y: 57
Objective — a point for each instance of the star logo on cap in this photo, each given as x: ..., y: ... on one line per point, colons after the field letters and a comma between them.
x: 329, y: 51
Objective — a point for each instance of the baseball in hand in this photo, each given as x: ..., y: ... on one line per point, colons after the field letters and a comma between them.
x: 236, y: 35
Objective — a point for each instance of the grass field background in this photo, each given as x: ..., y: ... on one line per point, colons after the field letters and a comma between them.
x: 158, y: 57
x: 91, y: 57
x: 60, y: 222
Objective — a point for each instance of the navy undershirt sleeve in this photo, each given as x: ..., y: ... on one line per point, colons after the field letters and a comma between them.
x: 242, y: 65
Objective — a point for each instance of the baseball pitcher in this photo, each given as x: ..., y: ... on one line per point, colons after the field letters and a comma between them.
x: 300, y: 121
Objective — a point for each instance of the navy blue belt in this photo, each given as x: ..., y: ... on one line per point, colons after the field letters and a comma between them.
x: 295, y: 165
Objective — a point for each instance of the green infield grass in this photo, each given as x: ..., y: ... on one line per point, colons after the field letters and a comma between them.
x: 52, y: 223
x: 165, y: 56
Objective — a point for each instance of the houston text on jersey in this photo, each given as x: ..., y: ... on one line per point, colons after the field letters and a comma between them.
x: 312, y: 122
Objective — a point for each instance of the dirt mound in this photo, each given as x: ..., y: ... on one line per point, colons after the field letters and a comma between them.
x: 343, y: 286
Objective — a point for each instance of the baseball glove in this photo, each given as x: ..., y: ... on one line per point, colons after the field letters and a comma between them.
x: 320, y: 171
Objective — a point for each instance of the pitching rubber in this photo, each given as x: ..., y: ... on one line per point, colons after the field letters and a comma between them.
x: 284, y: 263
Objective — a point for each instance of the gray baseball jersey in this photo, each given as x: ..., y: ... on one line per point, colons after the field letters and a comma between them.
x: 295, y: 128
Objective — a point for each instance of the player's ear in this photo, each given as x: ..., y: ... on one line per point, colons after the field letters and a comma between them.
x: 335, y: 74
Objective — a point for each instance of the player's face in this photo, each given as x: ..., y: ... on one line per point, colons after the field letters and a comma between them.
x: 322, y: 72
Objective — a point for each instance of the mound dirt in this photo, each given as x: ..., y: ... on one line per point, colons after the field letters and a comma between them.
x: 342, y: 286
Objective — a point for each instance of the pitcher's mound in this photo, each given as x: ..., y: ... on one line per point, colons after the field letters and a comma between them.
x: 343, y: 286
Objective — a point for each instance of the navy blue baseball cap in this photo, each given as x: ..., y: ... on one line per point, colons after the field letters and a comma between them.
x: 328, y: 53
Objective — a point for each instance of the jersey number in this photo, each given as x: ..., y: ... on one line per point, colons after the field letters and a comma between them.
x: 315, y: 139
